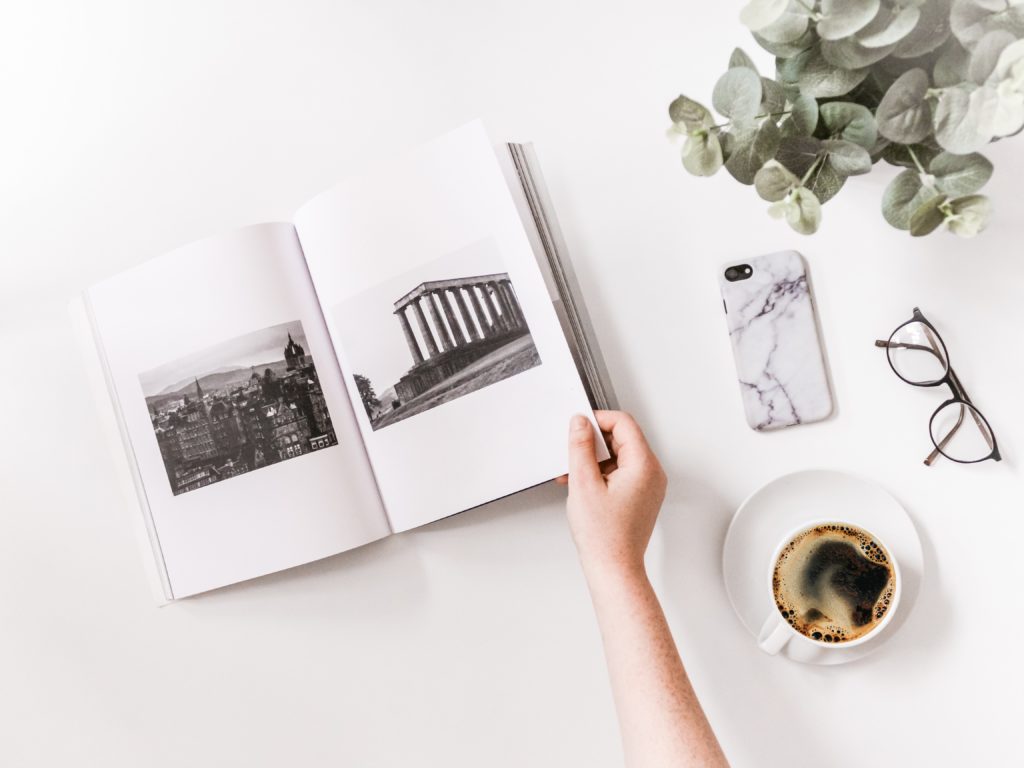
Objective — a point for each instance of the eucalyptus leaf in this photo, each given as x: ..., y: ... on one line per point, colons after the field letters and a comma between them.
x: 970, y: 20
x: 790, y: 49
x: 968, y: 215
x: 1010, y: 66
x: 964, y: 117
x: 890, y: 26
x: 952, y: 65
x: 986, y: 54
x: 849, y: 121
x: 900, y: 198
x: 847, y: 158
x: 805, y: 114
x: 737, y: 93
x: 799, y: 153
x: 816, y: 77
x: 930, y: 32
x: 904, y: 114
x: 957, y: 175
x: 774, y: 181
x: 758, y: 14
x: 690, y: 113
x: 900, y: 155
x: 702, y: 154
x: 842, y: 18
x: 773, y: 97
x: 791, y: 26
x: 849, y: 53
x: 801, y: 210
x: 928, y: 216
x: 824, y: 181
x: 753, y: 151
x: 1009, y: 112
x: 739, y: 58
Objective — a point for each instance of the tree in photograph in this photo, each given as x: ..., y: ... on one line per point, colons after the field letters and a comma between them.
x: 367, y: 395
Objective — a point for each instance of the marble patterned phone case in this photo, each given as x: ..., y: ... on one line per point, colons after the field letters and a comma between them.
x: 775, y: 342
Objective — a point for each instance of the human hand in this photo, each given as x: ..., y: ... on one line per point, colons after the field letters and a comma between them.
x: 612, y: 507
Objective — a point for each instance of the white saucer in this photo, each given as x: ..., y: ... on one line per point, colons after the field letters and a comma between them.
x: 786, y: 503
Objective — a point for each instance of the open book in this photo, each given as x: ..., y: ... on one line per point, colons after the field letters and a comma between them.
x: 408, y: 348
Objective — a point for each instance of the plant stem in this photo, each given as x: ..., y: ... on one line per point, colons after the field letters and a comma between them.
x: 815, y: 164
x: 756, y: 117
x: 913, y: 156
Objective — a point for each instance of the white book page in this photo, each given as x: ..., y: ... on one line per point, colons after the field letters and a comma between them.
x: 244, y: 473
x: 432, y: 295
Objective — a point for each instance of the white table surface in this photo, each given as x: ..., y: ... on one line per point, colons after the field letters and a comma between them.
x: 130, y: 128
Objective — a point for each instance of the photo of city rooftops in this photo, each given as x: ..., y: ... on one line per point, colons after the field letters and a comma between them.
x: 237, y: 406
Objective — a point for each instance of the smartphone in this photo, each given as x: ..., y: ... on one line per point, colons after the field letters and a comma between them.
x: 775, y: 342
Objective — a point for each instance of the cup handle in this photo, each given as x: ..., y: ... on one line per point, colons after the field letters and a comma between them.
x: 774, y: 634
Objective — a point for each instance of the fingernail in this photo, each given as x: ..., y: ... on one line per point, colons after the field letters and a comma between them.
x: 579, y: 423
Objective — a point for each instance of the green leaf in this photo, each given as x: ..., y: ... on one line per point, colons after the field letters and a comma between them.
x: 737, y: 94
x: 973, y: 19
x: 891, y: 25
x: 903, y: 114
x: 773, y: 97
x: 957, y: 175
x: 986, y: 54
x: 931, y: 31
x: 851, y: 122
x: 801, y: 210
x: 805, y: 114
x: 790, y: 49
x: 816, y: 77
x: 842, y: 18
x: 902, y: 197
x: 739, y: 58
x: 928, y: 216
x: 758, y: 14
x: 799, y: 153
x: 847, y: 158
x: 752, y: 151
x: 789, y: 27
x: 952, y: 64
x: 899, y: 154
x: 773, y: 182
x: 849, y: 53
x: 965, y: 117
x: 968, y: 215
x: 690, y: 113
x: 702, y: 154
x: 824, y: 181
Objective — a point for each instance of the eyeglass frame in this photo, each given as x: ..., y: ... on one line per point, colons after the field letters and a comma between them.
x: 950, y: 378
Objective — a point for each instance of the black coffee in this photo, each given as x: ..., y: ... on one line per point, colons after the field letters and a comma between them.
x: 833, y: 582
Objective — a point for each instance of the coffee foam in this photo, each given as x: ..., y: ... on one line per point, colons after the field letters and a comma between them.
x: 833, y: 583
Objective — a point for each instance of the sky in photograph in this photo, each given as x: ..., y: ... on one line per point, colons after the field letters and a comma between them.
x: 263, y: 346
x: 371, y: 333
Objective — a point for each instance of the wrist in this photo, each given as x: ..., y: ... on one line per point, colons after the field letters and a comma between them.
x: 614, y: 570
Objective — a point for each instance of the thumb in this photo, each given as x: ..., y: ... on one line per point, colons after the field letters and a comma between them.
x: 583, y: 467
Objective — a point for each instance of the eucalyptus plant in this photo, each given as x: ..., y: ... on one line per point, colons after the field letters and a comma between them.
x: 921, y: 84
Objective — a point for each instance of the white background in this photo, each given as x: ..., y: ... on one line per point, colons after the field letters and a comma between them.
x: 129, y: 129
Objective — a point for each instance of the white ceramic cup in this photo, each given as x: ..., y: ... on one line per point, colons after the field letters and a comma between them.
x: 776, y: 632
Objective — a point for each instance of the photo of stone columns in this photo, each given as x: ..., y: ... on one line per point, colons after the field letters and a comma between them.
x: 459, y: 334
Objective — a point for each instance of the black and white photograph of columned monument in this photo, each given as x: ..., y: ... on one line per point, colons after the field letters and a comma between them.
x: 449, y: 336
x: 236, y: 407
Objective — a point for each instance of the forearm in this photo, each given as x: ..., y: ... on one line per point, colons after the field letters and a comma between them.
x: 662, y: 721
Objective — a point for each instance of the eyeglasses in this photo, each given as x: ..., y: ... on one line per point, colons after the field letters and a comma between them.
x: 958, y: 430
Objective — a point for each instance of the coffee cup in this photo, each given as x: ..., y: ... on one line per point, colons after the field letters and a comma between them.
x: 832, y: 585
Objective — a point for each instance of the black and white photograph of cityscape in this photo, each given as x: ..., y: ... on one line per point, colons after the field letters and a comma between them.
x: 237, y: 406
x: 431, y: 336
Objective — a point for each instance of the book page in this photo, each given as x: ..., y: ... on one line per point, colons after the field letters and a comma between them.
x: 444, y: 329
x: 247, y: 449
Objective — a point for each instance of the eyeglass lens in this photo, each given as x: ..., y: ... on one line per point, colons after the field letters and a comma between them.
x: 961, y: 433
x: 917, y: 354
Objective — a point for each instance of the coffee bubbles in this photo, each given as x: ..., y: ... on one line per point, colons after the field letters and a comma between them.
x: 833, y: 582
